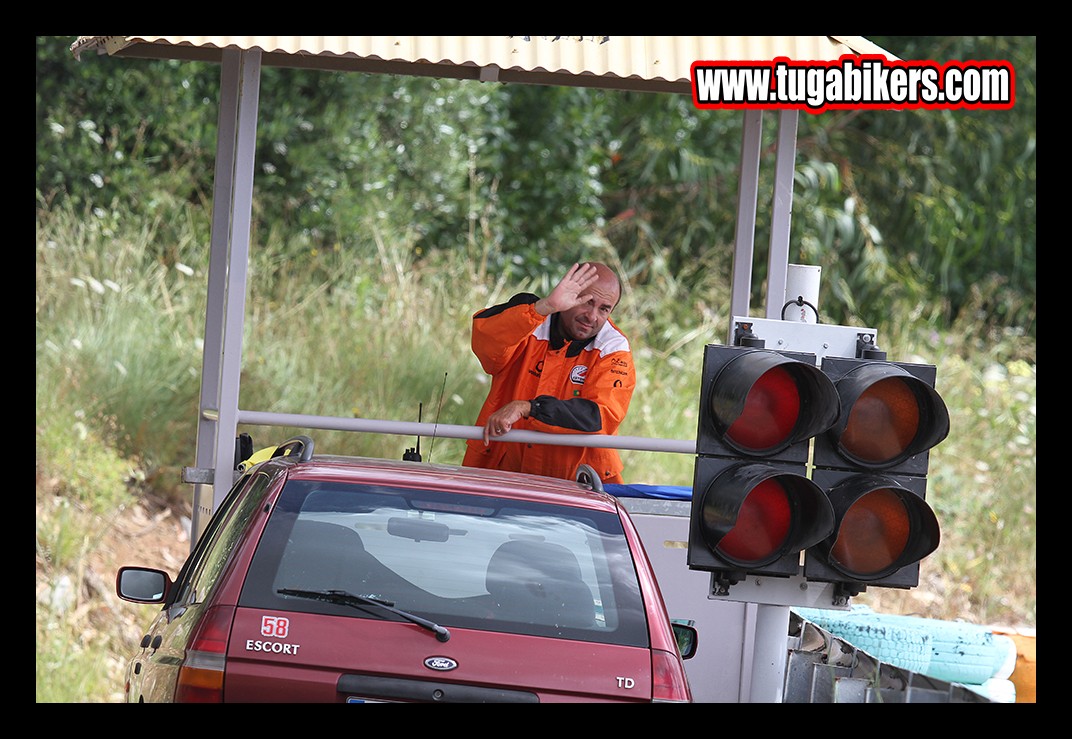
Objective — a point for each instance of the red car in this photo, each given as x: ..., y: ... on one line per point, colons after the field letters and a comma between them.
x: 353, y: 580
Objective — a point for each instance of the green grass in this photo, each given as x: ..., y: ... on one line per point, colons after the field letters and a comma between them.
x: 380, y: 333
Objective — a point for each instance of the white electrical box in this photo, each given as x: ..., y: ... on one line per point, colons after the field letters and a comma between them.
x: 819, y: 339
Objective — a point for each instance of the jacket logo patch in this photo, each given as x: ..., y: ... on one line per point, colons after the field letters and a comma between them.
x: 578, y: 374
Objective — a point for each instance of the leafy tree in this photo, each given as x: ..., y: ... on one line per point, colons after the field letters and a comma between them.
x: 123, y: 133
x: 916, y: 208
x: 925, y: 206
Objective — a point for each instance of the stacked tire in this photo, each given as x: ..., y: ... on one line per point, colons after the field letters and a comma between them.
x: 945, y: 650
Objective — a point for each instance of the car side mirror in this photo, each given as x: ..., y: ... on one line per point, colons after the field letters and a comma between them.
x: 142, y: 584
x: 687, y: 637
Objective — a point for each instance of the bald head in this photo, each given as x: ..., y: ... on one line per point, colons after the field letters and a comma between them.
x: 607, y: 284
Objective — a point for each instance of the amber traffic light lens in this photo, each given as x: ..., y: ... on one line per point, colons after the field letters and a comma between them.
x: 882, y: 423
x: 873, y: 534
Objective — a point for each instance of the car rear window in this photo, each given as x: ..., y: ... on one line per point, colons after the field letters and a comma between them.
x: 459, y: 560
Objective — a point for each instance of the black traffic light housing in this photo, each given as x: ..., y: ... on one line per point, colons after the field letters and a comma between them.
x: 752, y: 518
x: 753, y: 507
x: 883, y: 529
x: 891, y: 416
x: 873, y: 464
x: 762, y: 404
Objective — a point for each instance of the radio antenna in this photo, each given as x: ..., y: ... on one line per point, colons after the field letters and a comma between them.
x: 435, y: 427
x: 413, y: 454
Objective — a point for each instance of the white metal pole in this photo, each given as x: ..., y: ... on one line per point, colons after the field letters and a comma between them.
x: 771, y: 655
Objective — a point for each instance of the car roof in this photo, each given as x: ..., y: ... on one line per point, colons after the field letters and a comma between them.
x: 436, y: 476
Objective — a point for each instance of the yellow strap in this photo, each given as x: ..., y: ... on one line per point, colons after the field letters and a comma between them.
x: 257, y: 457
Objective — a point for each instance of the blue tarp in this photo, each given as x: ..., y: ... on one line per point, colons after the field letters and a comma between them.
x: 662, y: 492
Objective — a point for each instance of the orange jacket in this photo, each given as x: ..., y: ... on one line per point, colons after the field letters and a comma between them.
x: 575, y: 387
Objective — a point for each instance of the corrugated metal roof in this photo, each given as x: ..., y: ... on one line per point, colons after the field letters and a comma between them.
x: 652, y: 63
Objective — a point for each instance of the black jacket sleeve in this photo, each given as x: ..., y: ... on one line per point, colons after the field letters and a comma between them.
x: 578, y: 414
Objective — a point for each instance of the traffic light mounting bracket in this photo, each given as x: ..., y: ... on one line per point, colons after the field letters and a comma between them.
x: 819, y: 339
x: 781, y: 591
x: 797, y: 590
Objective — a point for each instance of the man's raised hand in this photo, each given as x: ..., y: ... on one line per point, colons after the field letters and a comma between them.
x: 570, y: 290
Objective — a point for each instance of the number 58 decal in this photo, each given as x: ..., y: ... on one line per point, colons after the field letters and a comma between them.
x: 276, y: 626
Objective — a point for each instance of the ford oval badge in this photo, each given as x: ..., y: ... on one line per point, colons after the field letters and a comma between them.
x: 442, y: 664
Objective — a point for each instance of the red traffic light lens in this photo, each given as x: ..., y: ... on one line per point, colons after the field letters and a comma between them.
x: 762, y: 524
x: 755, y: 517
x: 770, y: 414
x: 882, y: 423
x: 763, y: 403
x: 873, y: 534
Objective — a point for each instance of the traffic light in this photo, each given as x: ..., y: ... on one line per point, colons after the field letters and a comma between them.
x: 873, y: 465
x: 753, y: 507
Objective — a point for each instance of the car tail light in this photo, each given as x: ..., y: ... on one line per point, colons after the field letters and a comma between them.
x: 201, y: 674
x: 668, y: 683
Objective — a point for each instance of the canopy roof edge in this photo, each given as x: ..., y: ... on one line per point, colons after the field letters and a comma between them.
x: 642, y: 63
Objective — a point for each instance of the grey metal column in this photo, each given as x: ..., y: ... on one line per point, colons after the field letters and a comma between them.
x: 745, y: 237
x: 781, y: 213
x: 772, y: 621
x: 212, y: 351
x: 763, y: 666
x: 238, y: 265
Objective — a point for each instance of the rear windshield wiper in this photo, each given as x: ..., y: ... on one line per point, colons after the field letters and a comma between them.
x: 363, y: 601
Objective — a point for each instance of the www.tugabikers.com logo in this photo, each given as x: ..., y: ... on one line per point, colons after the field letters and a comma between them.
x: 867, y: 81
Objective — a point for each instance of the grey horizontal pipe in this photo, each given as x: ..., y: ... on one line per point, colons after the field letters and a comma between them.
x: 451, y: 431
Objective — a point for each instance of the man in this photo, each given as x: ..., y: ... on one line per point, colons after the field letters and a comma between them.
x: 558, y: 364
